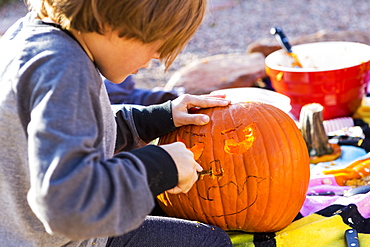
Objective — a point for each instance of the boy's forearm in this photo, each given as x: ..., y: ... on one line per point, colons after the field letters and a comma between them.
x: 154, y: 121
x: 161, y: 170
x: 139, y: 123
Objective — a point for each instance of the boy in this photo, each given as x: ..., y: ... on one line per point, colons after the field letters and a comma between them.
x: 126, y: 93
x: 61, y: 184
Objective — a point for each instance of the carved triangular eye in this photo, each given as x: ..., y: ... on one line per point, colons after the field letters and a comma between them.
x: 197, y: 148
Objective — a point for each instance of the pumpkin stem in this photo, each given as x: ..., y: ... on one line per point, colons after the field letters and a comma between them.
x: 313, y: 131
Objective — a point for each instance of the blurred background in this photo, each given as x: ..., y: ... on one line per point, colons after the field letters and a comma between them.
x: 231, y: 25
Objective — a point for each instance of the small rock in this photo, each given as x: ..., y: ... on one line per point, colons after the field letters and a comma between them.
x: 269, y: 45
x: 218, y: 72
x: 215, y: 5
x: 264, y: 46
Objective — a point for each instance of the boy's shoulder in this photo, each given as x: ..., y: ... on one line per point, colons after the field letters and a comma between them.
x: 32, y: 41
x: 37, y: 37
x: 36, y: 50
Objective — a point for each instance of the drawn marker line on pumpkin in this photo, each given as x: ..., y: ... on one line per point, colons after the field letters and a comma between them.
x: 218, y: 173
x: 216, y: 168
x: 196, y: 134
x: 197, y: 149
x: 230, y: 130
x: 239, y: 192
x: 240, y: 188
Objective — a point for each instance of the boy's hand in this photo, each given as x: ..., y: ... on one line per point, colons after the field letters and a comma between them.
x: 187, y: 167
x: 183, y: 103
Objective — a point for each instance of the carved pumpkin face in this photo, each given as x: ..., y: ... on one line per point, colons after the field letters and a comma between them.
x: 259, y: 164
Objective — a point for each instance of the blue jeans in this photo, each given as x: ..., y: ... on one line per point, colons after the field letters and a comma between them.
x: 157, y: 231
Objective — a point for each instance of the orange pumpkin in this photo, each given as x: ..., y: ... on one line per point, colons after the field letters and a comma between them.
x: 259, y: 164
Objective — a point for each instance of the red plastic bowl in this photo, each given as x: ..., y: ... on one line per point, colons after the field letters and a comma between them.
x: 333, y: 74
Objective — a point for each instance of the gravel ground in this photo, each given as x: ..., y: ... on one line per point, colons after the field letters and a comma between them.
x: 231, y: 29
x: 231, y: 25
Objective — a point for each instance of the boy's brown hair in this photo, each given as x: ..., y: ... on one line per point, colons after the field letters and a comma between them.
x: 173, y: 21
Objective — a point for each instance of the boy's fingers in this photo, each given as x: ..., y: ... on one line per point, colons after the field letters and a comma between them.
x: 203, y: 119
x: 204, y: 101
x: 221, y: 96
x: 174, y: 190
x: 177, y: 190
x: 199, y: 168
x: 185, y: 188
x: 210, y: 102
x: 196, y: 119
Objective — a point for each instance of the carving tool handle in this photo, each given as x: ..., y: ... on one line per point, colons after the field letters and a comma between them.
x: 204, y: 172
x: 351, y: 237
x: 281, y: 38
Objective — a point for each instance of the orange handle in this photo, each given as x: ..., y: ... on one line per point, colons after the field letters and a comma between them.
x: 357, y: 169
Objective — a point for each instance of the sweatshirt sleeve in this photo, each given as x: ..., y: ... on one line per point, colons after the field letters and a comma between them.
x: 161, y: 170
x: 138, y: 125
x: 77, y: 190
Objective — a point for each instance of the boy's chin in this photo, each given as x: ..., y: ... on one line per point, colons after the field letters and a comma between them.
x: 117, y: 80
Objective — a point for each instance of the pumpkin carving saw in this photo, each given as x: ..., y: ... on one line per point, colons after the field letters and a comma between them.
x: 259, y: 167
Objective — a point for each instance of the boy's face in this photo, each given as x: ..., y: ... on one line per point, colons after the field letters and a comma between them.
x: 115, y: 57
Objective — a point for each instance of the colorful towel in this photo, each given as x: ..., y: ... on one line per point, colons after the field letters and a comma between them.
x: 323, y: 219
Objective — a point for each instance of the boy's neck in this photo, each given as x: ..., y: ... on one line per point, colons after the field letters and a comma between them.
x: 78, y: 36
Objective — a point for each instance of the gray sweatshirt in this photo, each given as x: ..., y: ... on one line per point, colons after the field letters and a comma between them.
x: 60, y: 182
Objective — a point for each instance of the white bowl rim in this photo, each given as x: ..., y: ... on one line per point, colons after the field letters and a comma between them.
x: 270, y: 97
